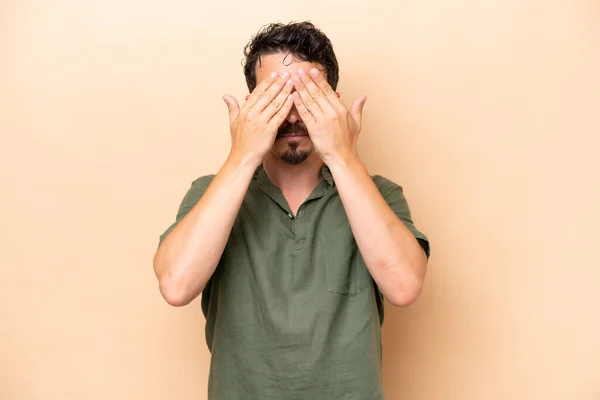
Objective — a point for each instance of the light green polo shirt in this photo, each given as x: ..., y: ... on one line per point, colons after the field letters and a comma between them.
x: 292, y: 312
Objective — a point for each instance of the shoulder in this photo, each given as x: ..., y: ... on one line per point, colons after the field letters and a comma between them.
x: 385, y: 185
x: 203, y: 181
x: 197, y: 189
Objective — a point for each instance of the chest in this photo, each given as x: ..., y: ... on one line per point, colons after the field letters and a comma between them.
x: 277, y: 254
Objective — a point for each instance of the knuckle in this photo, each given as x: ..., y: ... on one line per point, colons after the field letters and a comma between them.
x: 272, y: 92
x: 327, y: 90
x: 282, y: 113
x: 250, y: 116
x: 259, y: 89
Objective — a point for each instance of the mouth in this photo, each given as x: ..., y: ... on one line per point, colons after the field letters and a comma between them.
x: 292, y: 132
x: 291, y: 136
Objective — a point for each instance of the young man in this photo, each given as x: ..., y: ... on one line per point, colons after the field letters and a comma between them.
x: 292, y: 244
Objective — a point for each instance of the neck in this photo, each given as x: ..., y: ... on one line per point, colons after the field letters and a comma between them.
x: 301, y: 178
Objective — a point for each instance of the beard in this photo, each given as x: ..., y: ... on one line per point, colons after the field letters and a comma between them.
x: 292, y: 155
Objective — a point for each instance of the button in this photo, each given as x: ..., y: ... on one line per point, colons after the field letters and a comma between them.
x: 290, y: 215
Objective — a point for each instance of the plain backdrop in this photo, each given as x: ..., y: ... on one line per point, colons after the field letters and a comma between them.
x: 486, y: 112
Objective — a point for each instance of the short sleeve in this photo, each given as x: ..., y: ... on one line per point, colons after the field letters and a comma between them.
x: 190, y: 199
x: 394, y: 196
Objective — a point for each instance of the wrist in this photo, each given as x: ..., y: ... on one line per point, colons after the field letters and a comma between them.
x: 344, y: 161
x: 239, y: 160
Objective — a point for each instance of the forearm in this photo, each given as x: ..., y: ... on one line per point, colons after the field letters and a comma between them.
x: 189, y: 255
x: 392, y: 254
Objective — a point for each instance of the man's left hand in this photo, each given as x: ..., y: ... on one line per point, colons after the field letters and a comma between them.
x: 332, y: 128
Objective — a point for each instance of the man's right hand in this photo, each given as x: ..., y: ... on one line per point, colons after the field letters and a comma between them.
x: 255, y: 125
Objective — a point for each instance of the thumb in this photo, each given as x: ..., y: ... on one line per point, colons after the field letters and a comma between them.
x: 357, y: 109
x: 232, y: 106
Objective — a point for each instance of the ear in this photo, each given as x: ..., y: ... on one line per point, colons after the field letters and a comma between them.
x: 338, y: 94
x: 247, y: 97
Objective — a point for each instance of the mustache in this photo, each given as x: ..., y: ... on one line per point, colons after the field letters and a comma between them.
x: 292, y: 128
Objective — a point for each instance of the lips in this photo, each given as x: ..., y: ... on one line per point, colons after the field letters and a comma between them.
x: 298, y: 134
x: 292, y: 130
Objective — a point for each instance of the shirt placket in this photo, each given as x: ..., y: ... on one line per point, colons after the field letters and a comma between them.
x: 300, y: 227
x: 299, y: 222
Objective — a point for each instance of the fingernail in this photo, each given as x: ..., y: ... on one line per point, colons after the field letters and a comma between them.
x: 273, y: 74
x: 296, y: 79
x: 300, y: 72
x: 285, y: 75
x: 314, y: 72
x: 289, y: 83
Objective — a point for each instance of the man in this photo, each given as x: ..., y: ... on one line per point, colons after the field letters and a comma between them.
x: 292, y: 244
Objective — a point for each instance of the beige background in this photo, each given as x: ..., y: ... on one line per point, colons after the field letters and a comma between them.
x: 486, y: 112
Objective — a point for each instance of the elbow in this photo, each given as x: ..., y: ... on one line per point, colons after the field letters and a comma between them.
x: 172, y: 287
x: 407, y: 294
x: 407, y: 289
x: 173, y: 292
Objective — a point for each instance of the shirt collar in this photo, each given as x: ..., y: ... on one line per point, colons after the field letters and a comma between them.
x: 261, y: 175
x: 327, y: 175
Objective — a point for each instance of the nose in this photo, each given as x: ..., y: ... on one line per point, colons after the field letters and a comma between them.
x: 293, y: 116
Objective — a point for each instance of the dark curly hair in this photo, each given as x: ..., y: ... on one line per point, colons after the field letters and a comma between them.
x: 299, y: 39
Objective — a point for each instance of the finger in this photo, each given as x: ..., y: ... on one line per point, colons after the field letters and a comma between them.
x: 319, y: 79
x: 282, y: 113
x: 232, y: 106
x: 357, y: 109
x: 278, y: 102
x: 304, y: 112
x: 317, y: 93
x: 260, y: 89
x: 271, y: 93
x: 308, y: 101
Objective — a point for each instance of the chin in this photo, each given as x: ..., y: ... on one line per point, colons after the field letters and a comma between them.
x: 295, y: 157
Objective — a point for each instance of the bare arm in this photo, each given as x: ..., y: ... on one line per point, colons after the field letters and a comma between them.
x: 190, y: 253
x: 391, y: 252
x: 188, y: 256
